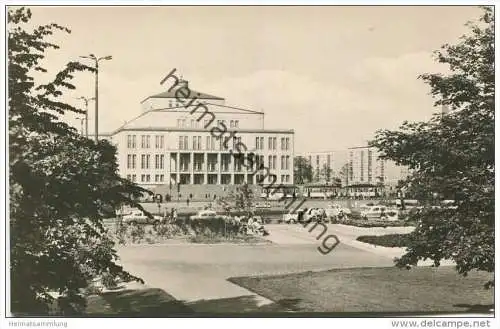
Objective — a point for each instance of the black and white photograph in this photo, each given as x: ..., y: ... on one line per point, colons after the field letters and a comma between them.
x: 328, y: 160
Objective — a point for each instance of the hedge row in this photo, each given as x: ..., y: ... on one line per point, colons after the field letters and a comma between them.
x: 375, y: 223
x: 389, y: 240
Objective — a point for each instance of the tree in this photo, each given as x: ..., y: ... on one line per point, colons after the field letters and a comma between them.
x: 452, y: 156
x: 61, y: 184
x: 326, y: 172
x: 303, y: 171
x: 242, y: 198
x: 344, y: 174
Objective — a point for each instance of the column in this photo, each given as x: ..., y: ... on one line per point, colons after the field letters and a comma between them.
x: 219, y: 167
x: 177, y: 167
x: 191, y: 162
x: 205, y: 168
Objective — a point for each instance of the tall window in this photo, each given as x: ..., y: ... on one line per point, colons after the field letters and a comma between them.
x: 282, y: 143
x: 143, y: 141
x: 181, y: 142
x: 213, y: 143
x: 282, y: 162
x: 194, y: 143
x: 231, y: 124
x: 186, y: 144
x: 143, y: 161
x: 134, y: 158
x: 129, y: 161
x: 275, y: 159
x: 129, y: 141
x: 270, y: 143
x: 274, y: 143
x: 148, y: 139
x: 257, y: 143
x: 287, y: 162
x: 270, y: 162
x: 134, y: 178
x: 287, y: 143
x: 236, y: 123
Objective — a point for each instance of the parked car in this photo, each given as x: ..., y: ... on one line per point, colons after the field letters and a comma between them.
x: 138, y: 217
x: 292, y: 216
x: 275, y: 196
x: 379, y: 212
x: 335, y: 211
x: 263, y: 205
x: 314, y: 214
x: 202, y: 214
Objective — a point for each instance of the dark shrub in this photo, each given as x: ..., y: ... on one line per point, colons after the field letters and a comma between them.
x: 389, y: 240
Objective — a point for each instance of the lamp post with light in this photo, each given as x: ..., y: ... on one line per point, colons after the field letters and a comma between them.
x: 96, y: 66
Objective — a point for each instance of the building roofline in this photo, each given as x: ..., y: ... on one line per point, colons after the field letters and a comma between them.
x: 204, y: 96
x: 174, y: 129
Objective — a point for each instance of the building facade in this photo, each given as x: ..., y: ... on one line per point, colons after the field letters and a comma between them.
x: 365, y: 168
x: 326, y: 166
x: 203, y: 142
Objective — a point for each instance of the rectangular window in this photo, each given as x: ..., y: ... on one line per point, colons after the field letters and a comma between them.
x: 129, y: 161
x: 134, y: 178
x: 257, y: 143
x: 143, y: 161
x: 148, y: 139
x: 162, y: 161
x: 275, y: 143
x: 156, y: 178
x: 199, y: 142
x: 262, y: 143
x: 231, y: 124
x: 134, y: 158
x: 287, y: 143
x: 287, y: 163
x: 236, y: 123
x: 275, y: 160
x: 157, y: 161
x: 162, y: 178
x: 143, y: 141
x: 207, y: 145
x: 148, y: 157
x: 128, y: 177
x: 186, y: 144
x: 148, y: 178
x: 134, y: 141
x: 270, y: 143
x: 194, y: 142
x: 282, y: 147
x: 129, y: 141
x: 143, y: 178
x: 181, y: 142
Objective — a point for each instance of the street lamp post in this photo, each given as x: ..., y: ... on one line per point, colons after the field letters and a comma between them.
x: 86, y: 101
x: 96, y: 66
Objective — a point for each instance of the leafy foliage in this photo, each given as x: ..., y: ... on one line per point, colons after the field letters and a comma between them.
x: 61, y: 184
x: 452, y: 156
x: 242, y: 198
x: 303, y: 172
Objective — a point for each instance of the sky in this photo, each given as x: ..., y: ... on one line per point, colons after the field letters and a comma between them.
x: 334, y: 74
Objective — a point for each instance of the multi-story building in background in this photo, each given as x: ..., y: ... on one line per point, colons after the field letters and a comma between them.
x: 365, y: 168
x: 326, y: 166
x: 170, y: 143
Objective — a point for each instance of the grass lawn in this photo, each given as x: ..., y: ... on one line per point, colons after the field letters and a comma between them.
x: 136, y: 303
x: 379, y: 290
